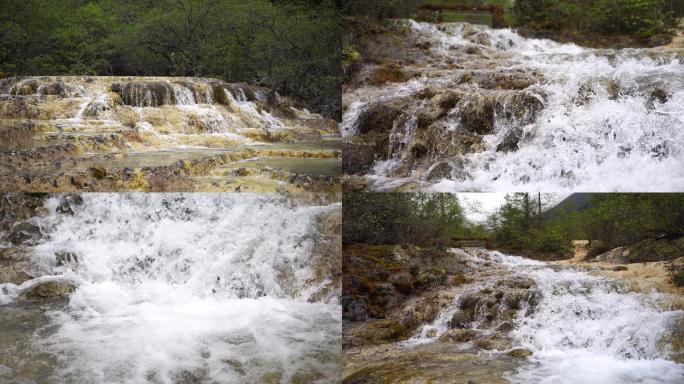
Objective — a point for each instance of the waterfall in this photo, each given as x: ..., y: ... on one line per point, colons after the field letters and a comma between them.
x: 184, y: 96
x: 567, y: 118
x: 249, y: 109
x: 167, y: 106
x: 219, y: 287
x: 581, y: 328
x: 79, y: 114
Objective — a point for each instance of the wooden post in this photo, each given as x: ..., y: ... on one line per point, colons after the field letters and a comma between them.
x: 539, y: 202
x: 497, y: 17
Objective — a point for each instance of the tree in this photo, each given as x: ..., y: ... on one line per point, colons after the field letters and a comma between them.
x: 292, y: 47
x: 422, y: 218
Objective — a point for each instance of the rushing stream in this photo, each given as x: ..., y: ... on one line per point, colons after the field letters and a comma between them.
x: 579, y: 328
x: 599, y: 120
x: 179, y: 288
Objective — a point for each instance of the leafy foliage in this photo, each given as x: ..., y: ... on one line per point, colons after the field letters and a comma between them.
x: 292, y: 47
x: 616, y: 219
x: 637, y: 18
x: 523, y: 223
x: 380, y: 9
x: 519, y: 225
x: 396, y: 218
x: 678, y: 278
x: 626, y: 218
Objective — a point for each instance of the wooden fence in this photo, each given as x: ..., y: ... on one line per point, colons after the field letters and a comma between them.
x: 496, y: 11
x: 459, y: 242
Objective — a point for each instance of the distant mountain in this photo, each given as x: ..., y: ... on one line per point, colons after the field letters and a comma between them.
x: 575, y: 202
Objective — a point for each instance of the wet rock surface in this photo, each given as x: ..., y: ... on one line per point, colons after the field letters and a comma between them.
x: 379, y: 317
x: 376, y: 282
x: 208, y: 173
x: 442, y: 118
x: 20, y: 322
x: 23, y: 233
x: 48, y: 290
x: 442, y: 363
x: 358, y: 158
x: 16, y: 266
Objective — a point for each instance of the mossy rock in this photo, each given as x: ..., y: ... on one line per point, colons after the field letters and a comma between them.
x: 218, y: 94
x: 402, y: 282
x: 438, y: 107
x: 24, y: 88
x: 386, y: 331
x: 510, y: 141
x: 68, y: 202
x: 381, y: 255
x: 439, y: 171
x: 494, y: 343
x: 519, y: 352
x: 58, y: 88
x: 49, y: 290
x: 378, y: 117
x: 389, y: 73
x: 678, y: 278
x: 98, y: 172
x: 358, y: 159
x: 477, y: 114
x: 459, y: 335
x: 354, y: 183
x: 24, y: 232
x: 656, y: 250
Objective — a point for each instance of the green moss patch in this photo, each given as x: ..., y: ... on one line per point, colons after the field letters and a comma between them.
x: 656, y: 250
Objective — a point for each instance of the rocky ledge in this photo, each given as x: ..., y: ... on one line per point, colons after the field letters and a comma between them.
x: 391, y: 293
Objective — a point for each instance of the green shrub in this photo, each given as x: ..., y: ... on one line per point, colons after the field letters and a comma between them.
x: 431, y: 274
x: 550, y: 240
x: 678, y: 278
x: 637, y: 18
x: 640, y: 18
x: 379, y: 9
x: 349, y: 56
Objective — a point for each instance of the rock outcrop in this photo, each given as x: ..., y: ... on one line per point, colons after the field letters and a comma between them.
x: 48, y: 290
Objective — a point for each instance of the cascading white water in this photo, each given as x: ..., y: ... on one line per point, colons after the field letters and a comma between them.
x: 79, y: 115
x: 170, y: 106
x: 262, y: 118
x: 585, y: 329
x: 213, y: 286
x: 183, y: 95
x: 610, y: 142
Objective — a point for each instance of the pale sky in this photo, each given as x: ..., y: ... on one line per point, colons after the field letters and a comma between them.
x: 490, y: 202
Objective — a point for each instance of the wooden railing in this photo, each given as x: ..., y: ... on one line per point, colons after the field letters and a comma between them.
x: 496, y: 11
x: 460, y: 242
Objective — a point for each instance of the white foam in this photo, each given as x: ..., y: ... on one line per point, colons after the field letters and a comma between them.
x: 585, y: 328
x: 213, y: 285
x: 600, y: 145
